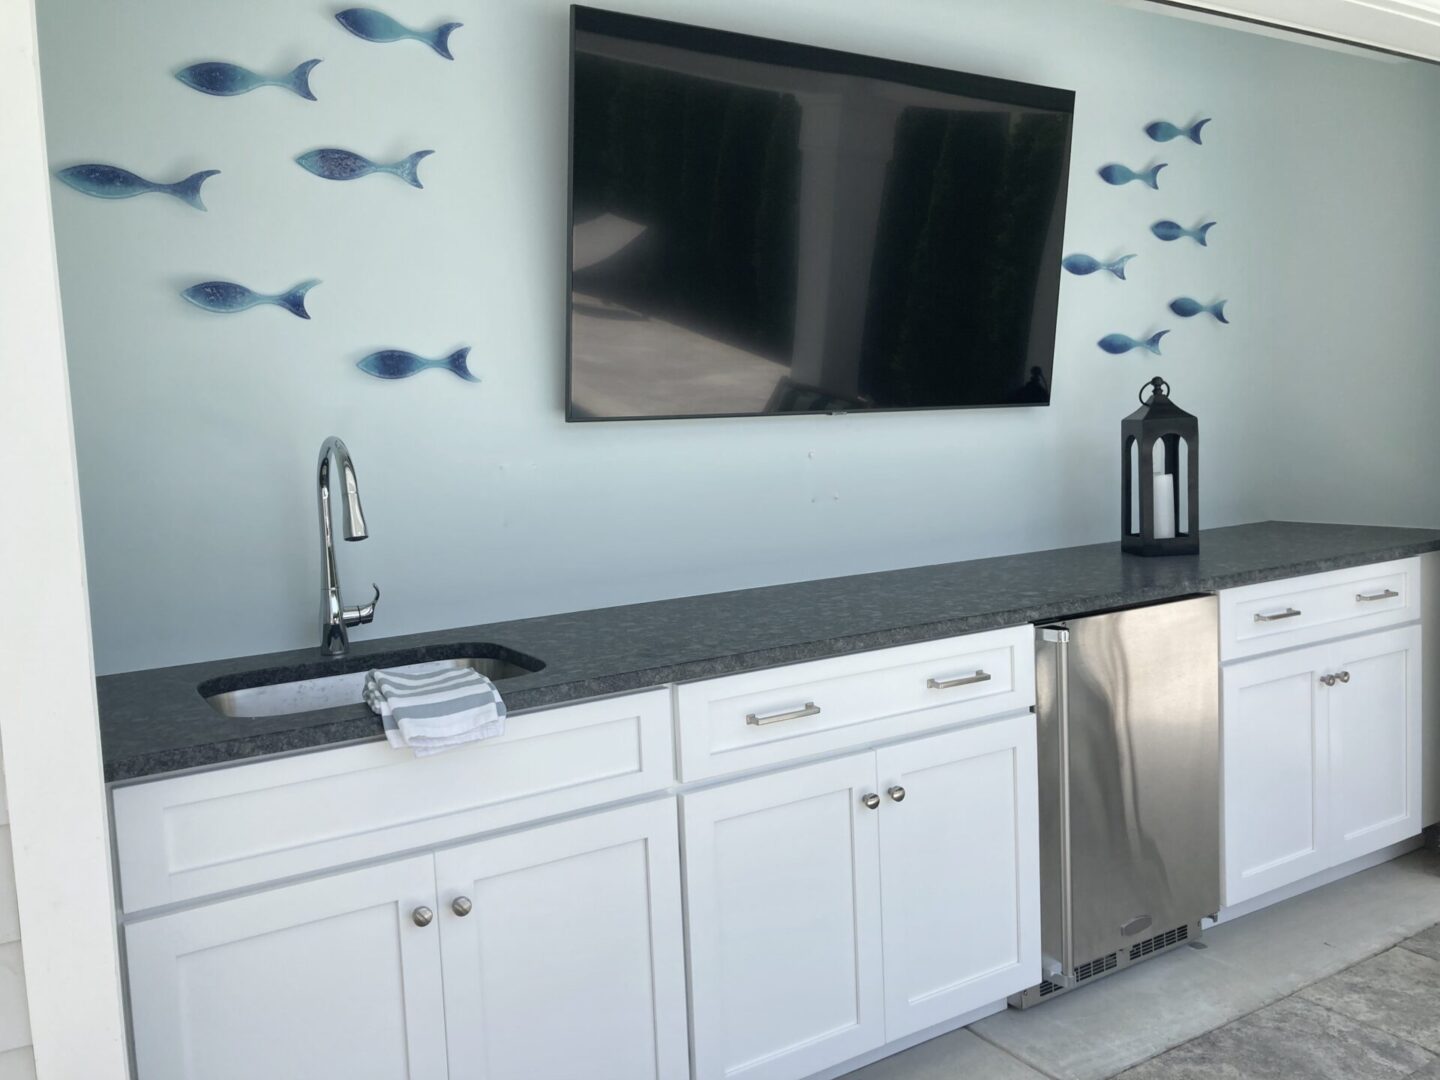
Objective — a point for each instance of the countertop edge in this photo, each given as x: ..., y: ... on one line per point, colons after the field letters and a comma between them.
x: 164, y: 763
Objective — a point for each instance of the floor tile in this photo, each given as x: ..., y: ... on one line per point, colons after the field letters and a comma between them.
x: 956, y: 1056
x: 1396, y: 991
x: 1426, y: 943
x: 17, y: 1064
x: 1255, y: 961
x: 1286, y: 1041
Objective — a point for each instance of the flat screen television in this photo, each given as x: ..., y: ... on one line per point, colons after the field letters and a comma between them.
x: 759, y: 227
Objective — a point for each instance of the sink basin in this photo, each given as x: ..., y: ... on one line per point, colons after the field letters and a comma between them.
x: 278, y: 693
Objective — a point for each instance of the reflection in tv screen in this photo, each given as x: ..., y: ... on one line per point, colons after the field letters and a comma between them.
x: 760, y: 227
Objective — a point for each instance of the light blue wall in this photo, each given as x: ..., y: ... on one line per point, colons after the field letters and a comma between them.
x: 197, y: 433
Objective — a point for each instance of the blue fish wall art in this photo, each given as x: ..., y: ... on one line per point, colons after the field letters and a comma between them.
x: 1116, y: 175
x: 111, y: 182
x: 1164, y: 131
x: 1080, y: 265
x: 227, y: 297
x: 399, y: 364
x: 375, y: 25
x: 332, y: 164
x: 1187, y: 308
x: 1120, y: 344
x: 226, y: 80
x: 1171, y: 230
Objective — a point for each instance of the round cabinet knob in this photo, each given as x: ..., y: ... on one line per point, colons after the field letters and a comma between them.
x: 1344, y: 676
x: 423, y: 916
x: 462, y: 906
x: 1328, y: 680
x: 897, y: 793
x: 871, y: 801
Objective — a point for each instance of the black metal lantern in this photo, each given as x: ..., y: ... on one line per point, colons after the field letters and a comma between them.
x: 1160, y: 462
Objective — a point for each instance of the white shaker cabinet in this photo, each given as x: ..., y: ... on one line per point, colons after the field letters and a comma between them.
x: 839, y: 906
x: 1375, y: 737
x: 569, y: 949
x: 569, y: 956
x: 960, y: 872
x: 330, y: 978
x: 783, y: 894
x: 1322, y: 758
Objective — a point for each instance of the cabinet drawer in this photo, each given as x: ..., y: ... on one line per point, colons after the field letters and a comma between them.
x: 769, y: 717
x: 1301, y: 611
x: 211, y: 832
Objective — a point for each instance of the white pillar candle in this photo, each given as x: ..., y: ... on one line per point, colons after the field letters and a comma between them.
x: 1164, y: 507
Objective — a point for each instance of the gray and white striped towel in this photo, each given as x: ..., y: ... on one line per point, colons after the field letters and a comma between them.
x: 434, y: 710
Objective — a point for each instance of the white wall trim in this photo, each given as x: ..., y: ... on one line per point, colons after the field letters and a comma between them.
x: 48, y: 726
x: 1411, y: 27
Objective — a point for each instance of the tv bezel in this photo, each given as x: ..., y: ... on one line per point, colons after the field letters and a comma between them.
x: 775, y: 50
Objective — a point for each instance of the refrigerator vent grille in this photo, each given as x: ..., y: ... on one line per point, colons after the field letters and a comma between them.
x: 1096, y: 967
x: 1159, y: 941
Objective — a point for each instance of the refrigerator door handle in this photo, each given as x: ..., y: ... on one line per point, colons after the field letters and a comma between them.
x: 1067, y: 900
x: 1059, y: 638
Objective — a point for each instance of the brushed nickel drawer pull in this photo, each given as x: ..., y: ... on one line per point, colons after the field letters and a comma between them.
x: 1288, y: 613
x: 965, y: 680
x: 1370, y: 598
x: 761, y: 719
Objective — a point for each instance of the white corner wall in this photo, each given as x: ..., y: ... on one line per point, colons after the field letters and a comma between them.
x: 197, y: 433
x: 17, y: 1059
x: 55, y: 880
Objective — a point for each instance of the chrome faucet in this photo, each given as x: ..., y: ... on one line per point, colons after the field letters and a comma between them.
x: 335, y: 618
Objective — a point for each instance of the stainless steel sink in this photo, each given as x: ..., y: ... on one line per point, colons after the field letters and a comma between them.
x: 283, y: 698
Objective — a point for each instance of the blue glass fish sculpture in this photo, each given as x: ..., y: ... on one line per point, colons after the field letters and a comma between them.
x: 399, y: 364
x: 1171, y: 230
x: 1164, y: 131
x: 375, y: 25
x: 226, y: 297
x: 1187, y: 308
x: 335, y: 164
x: 1123, y: 174
x: 111, y: 182
x: 1120, y: 344
x: 226, y: 80
x: 1085, y: 264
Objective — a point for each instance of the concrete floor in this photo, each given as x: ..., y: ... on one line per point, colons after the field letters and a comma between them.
x: 1312, y: 987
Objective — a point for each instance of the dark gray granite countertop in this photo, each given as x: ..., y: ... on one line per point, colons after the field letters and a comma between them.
x: 156, y: 721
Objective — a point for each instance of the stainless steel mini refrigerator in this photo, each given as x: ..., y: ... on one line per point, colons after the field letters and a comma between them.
x: 1129, y: 726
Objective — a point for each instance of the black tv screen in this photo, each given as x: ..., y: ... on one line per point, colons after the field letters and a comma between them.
x: 761, y: 227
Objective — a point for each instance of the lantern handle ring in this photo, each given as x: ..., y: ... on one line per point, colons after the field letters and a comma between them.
x: 1155, y: 384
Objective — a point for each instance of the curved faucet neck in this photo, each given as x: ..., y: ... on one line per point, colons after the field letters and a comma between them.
x: 335, y: 618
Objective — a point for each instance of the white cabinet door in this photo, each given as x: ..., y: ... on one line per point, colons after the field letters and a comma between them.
x: 1374, y: 742
x: 569, y: 960
x: 329, y: 980
x: 960, y: 872
x: 1276, y: 763
x: 783, y: 893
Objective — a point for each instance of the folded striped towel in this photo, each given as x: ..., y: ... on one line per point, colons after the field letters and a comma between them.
x: 435, y: 708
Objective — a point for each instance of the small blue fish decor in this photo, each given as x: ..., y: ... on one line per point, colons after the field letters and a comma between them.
x: 1171, y: 230
x: 227, y: 297
x: 375, y: 25
x: 1187, y: 308
x: 399, y: 364
x: 1164, y: 131
x: 1116, y: 175
x: 226, y: 80
x: 1080, y: 265
x: 332, y: 164
x: 1120, y: 344
x: 111, y: 182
